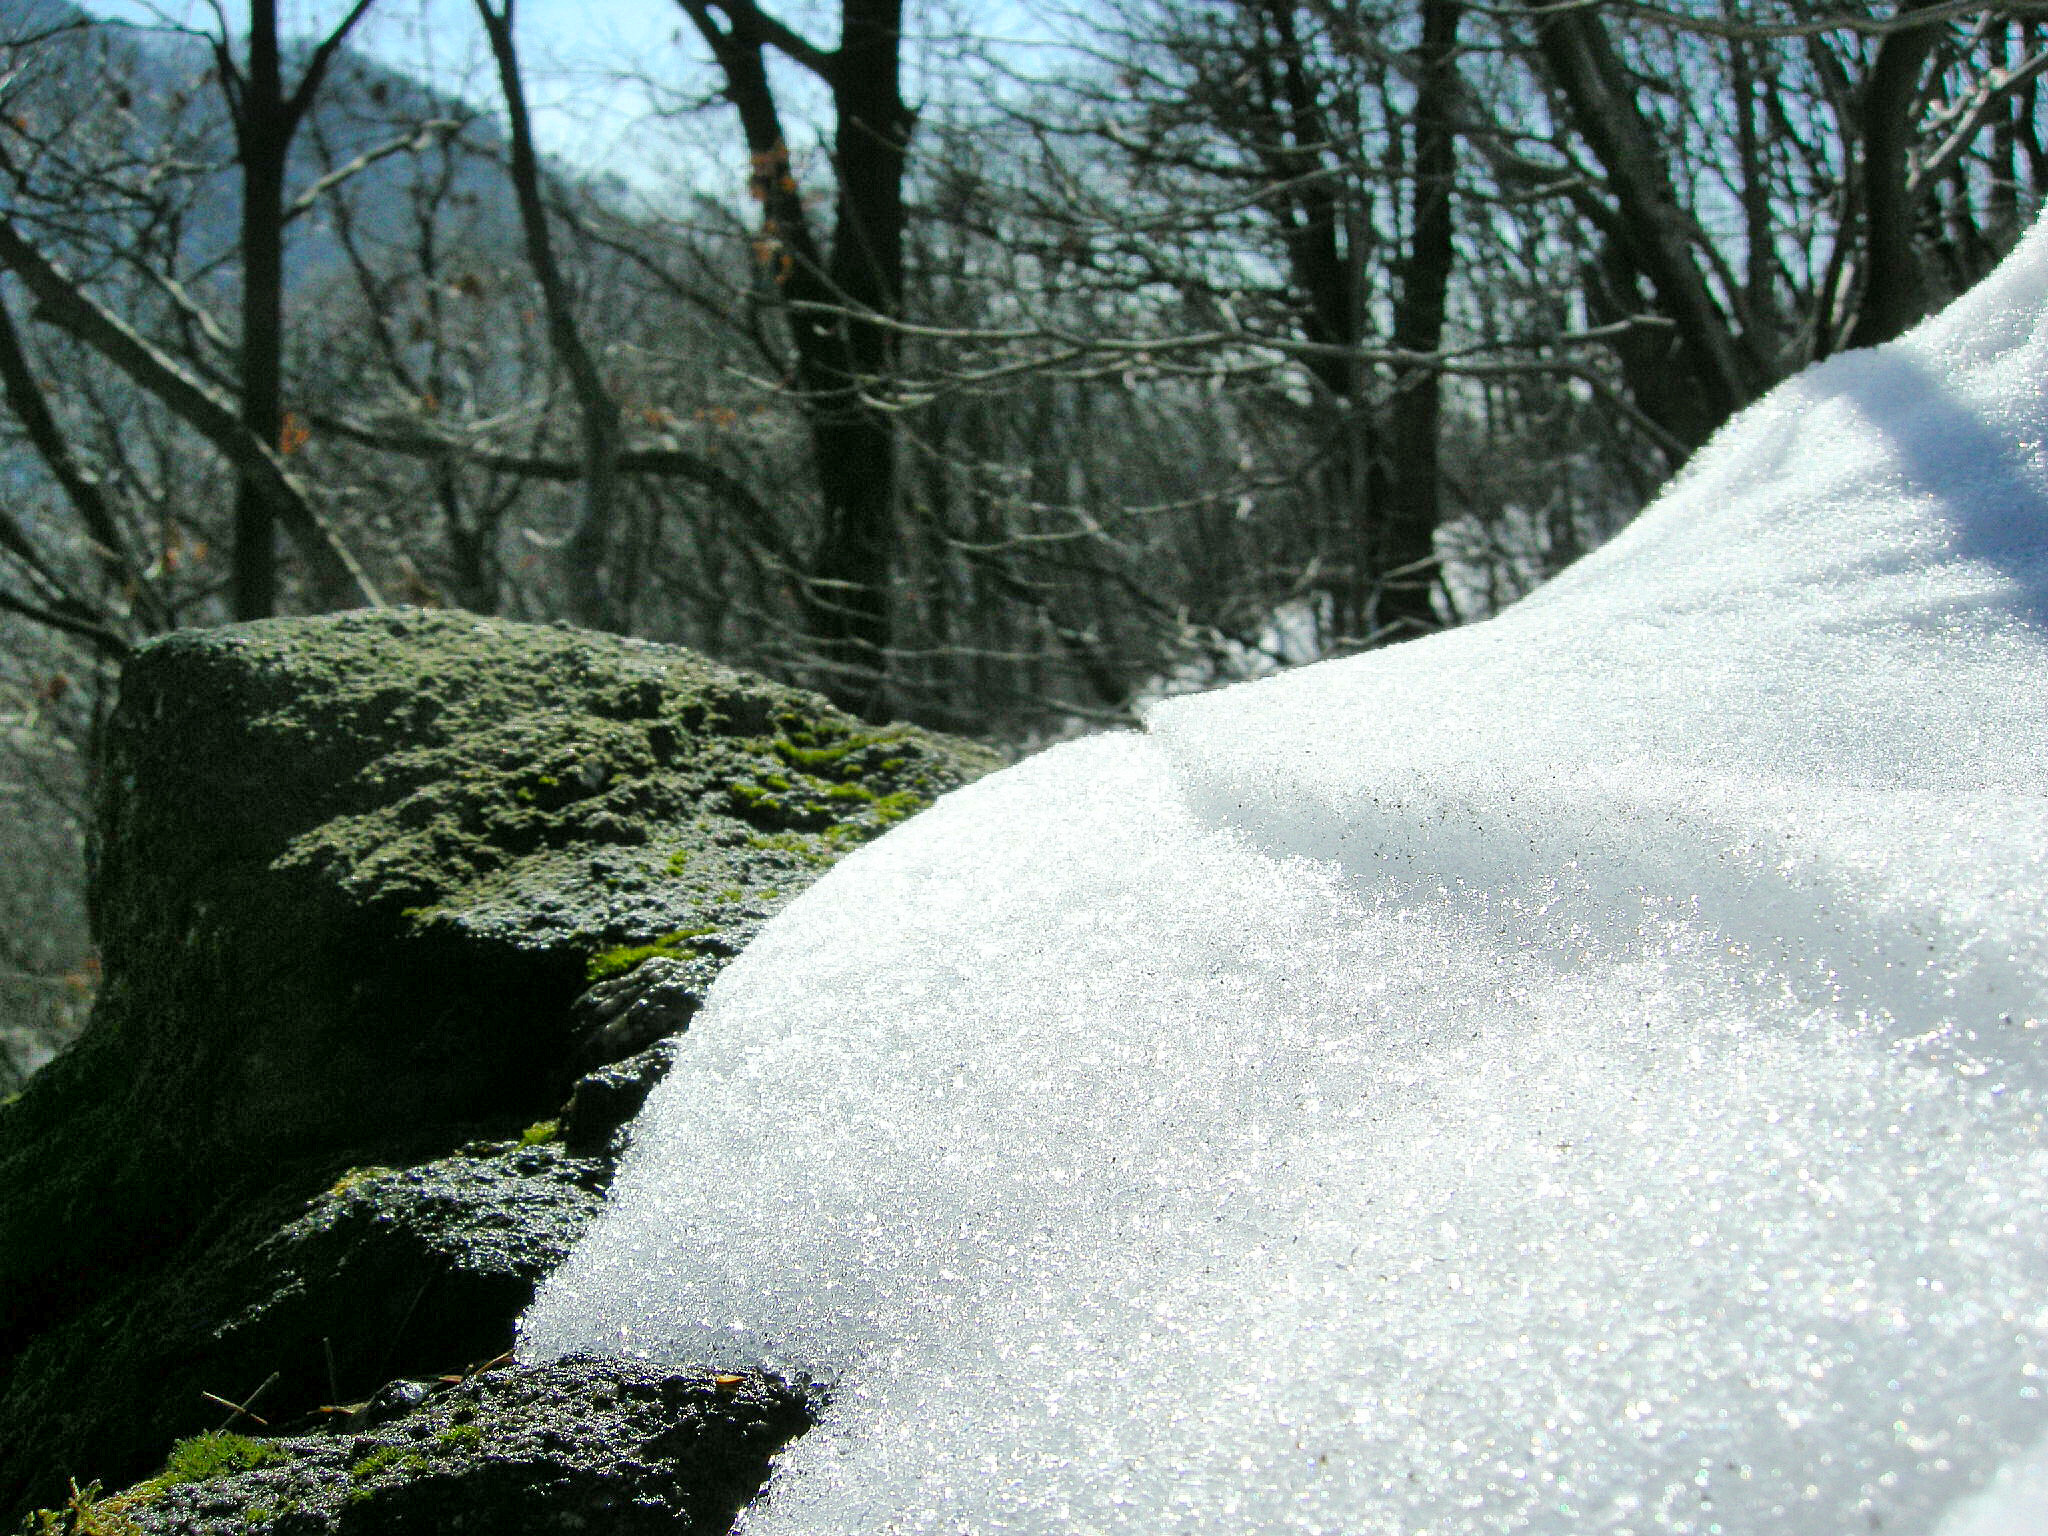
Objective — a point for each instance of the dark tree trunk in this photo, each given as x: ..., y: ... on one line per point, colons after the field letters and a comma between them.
x: 1407, y: 558
x: 1894, y: 296
x: 842, y: 356
x: 264, y: 130
x: 266, y: 119
x: 1283, y: 122
x: 1647, y: 224
x: 855, y: 439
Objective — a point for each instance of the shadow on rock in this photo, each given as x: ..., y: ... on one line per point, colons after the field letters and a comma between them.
x: 400, y: 915
x: 579, y: 1445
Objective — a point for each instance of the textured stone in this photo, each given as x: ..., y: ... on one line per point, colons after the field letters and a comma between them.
x: 599, y: 1446
x: 352, y: 875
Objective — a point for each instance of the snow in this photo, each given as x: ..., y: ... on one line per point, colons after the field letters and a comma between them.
x: 1579, y: 1073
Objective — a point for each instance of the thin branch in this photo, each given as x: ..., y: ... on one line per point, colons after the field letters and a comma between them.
x: 422, y: 138
x: 663, y: 463
x: 338, y: 580
x: 80, y: 488
x: 597, y: 411
x: 85, y: 629
x: 1818, y: 26
x: 1991, y: 95
x: 317, y: 66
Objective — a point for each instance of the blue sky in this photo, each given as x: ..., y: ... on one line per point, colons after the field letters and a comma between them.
x: 586, y: 61
x: 581, y: 57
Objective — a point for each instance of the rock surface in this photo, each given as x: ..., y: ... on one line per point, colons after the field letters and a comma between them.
x: 575, y: 1446
x: 350, y: 1089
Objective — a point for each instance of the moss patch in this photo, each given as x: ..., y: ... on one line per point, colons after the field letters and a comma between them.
x: 612, y: 1446
x: 682, y: 944
x: 214, y: 1453
x: 352, y: 870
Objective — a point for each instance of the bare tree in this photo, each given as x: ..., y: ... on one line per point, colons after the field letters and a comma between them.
x: 841, y: 357
x: 266, y: 118
x: 597, y: 412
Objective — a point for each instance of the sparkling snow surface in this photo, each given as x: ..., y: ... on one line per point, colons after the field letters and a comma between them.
x: 1580, y: 1073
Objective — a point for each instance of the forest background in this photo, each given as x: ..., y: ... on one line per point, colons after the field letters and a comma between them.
x: 992, y: 367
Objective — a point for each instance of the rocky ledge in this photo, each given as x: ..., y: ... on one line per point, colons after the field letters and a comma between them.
x: 400, y: 916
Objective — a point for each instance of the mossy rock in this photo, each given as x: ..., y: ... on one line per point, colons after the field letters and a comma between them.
x: 351, y: 874
x: 612, y: 1446
x: 309, y: 1306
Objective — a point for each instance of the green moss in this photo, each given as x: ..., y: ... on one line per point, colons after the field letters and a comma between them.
x: 393, y: 1458
x: 818, y: 750
x: 750, y: 797
x: 901, y: 806
x: 811, y: 759
x: 460, y: 1437
x: 398, y: 1461
x: 355, y: 1179
x: 816, y: 848
x: 85, y: 1513
x: 678, y: 861
x: 841, y: 790
x: 263, y: 1514
x: 680, y: 944
x: 540, y: 1131
x: 214, y: 1454
x: 194, y: 1460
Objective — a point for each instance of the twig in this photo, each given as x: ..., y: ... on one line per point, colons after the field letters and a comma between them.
x: 243, y: 1409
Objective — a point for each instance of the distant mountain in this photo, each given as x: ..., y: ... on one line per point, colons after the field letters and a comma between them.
x: 150, y: 95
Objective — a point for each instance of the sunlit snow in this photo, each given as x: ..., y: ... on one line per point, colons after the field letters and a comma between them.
x: 1580, y: 1073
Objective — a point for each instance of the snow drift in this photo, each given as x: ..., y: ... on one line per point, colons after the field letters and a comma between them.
x: 1584, y: 1072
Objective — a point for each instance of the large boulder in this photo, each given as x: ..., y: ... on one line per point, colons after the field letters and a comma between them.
x: 395, y: 910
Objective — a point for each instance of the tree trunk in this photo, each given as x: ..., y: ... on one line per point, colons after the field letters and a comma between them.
x: 842, y: 356
x: 1893, y: 294
x: 266, y: 119
x: 1286, y: 127
x: 1653, y: 229
x: 585, y: 554
x: 264, y: 130
x: 1407, y: 558
x: 855, y: 440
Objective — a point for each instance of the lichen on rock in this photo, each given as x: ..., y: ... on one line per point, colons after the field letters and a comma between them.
x: 609, y: 1446
x: 352, y: 875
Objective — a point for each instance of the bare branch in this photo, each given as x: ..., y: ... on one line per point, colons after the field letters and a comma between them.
x: 597, y: 411
x: 1817, y: 26
x: 421, y: 138
x: 745, y: 18
x: 1990, y: 95
x: 83, y: 491
x: 69, y: 623
x: 663, y: 462
x: 296, y: 104
x: 337, y: 579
